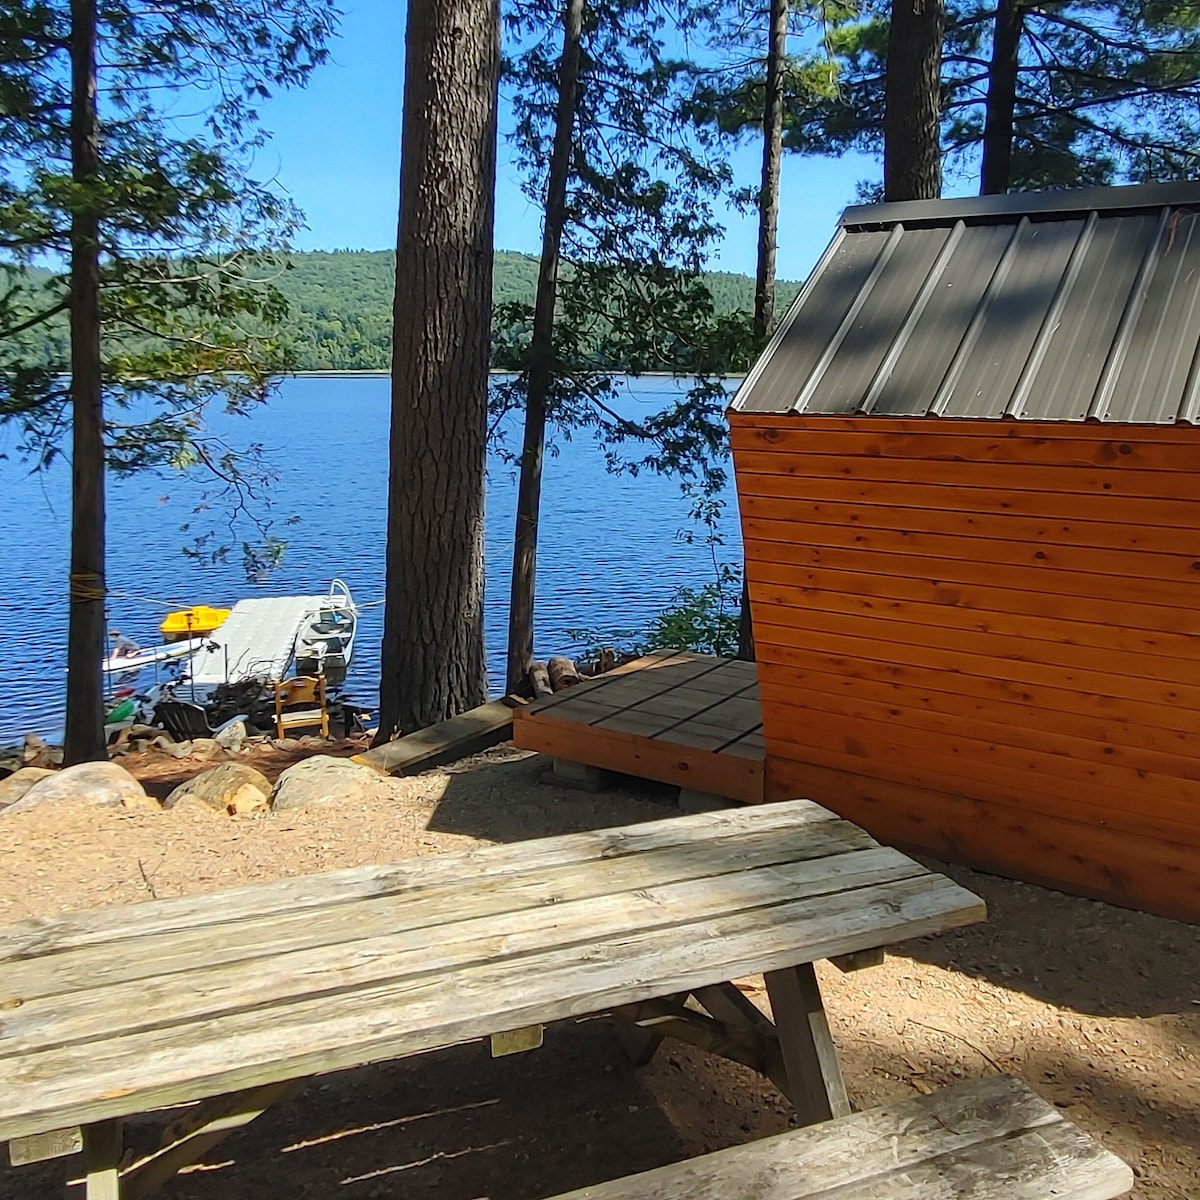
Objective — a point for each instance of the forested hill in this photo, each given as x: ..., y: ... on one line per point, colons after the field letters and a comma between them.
x: 340, y: 307
x: 341, y: 303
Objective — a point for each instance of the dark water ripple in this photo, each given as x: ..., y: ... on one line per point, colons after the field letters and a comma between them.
x: 610, y: 555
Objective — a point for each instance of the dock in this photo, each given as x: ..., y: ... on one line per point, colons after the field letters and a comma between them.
x: 692, y: 720
x: 256, y: 641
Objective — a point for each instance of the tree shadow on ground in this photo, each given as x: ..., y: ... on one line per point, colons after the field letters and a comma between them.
x: 460, y: 1125
x: 492, y: 800
x: 1158, y: 1137
x: 1153, y: 1122
x: 1080, y: 954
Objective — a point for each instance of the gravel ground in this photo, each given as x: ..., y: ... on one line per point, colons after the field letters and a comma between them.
x: 1095, y: 1007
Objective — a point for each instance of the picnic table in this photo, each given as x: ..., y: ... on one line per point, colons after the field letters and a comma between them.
x: 236, y: 998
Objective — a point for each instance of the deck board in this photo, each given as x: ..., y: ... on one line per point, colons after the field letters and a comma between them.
x: 679, y: 718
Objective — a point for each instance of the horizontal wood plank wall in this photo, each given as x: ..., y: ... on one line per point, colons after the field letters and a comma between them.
x: 981, y: 639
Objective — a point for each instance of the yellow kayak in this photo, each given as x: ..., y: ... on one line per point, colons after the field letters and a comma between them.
x: 198, y: 621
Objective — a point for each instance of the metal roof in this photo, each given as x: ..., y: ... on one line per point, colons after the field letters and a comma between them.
x: 1046, y: 306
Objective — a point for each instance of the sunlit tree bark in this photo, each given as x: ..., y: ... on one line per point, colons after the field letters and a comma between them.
x: 433, y: 664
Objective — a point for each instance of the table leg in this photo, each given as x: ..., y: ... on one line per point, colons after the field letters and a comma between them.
x: 638, y: 1043
x: 817, y: 1090
x: 741, y: 1016
x: 641, y: 1042
x: 186, y: 1140
x: 102, y: 1160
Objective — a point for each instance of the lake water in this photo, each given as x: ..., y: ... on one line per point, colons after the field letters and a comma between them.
x: 610, y: 553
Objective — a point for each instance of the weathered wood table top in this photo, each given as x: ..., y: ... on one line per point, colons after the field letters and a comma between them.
x: 123, y: 1010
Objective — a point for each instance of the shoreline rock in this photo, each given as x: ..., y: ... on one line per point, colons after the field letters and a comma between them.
x: 36, y: 753
x: 232, y: 787
x: 103, y: 784
x: 19, y: 782
x: 324, y: 779
x: 233, y: 737
x: 205, y: 748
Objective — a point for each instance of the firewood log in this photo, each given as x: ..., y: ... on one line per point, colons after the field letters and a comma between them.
x: 539, y: 677
x: 563, y: 673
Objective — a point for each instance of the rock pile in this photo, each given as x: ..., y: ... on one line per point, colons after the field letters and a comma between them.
x: 233, y: 788
x: 232, y: 739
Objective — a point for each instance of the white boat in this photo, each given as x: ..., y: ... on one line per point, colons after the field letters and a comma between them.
x: 325, y: 641
x: 130, y: 664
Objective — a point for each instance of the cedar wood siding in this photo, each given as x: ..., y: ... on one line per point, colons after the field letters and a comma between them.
x: 979, y: 639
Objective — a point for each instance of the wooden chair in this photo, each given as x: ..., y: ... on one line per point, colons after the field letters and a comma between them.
x: 291, y: 694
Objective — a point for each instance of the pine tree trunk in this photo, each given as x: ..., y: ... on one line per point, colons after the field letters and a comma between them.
x: 1001, y: 98
x: 541, y: 353
x: 768, y: 230
x: 768, y: 195
x: 433, y: 664
x: 84, y: 740
x: 912, y: 161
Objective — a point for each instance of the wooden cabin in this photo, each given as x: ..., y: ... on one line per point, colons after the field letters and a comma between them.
x: 968, y: 466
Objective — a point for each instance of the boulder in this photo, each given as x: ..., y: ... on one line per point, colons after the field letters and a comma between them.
x: 105, y: 784
x: 326, y: 780
x: 233, y: 736
x: 19, y: 782
x: 180, y: 750
x: 151, y: 733
x: 35, y: 752
x: 229, y: 788
x: 287, y: 744
x: 249, y: 798
x: 136, y: 732
x: 205, y: 748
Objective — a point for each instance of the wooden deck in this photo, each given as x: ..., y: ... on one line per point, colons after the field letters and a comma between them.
x: 687, y: 719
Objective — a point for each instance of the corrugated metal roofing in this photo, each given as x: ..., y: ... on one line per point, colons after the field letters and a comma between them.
x: 1050, y: 306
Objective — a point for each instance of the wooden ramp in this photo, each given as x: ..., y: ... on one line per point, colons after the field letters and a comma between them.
x: 687, y: 719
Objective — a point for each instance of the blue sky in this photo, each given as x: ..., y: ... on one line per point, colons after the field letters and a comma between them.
x: 336, y: 150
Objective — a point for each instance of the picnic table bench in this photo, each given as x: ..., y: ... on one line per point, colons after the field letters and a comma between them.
x: 990, y: 1139
x: 234, y: 999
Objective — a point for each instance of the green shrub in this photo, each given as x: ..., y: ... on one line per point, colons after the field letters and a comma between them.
x: 702, y: 619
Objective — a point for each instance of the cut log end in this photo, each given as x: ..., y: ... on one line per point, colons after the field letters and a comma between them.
x: 563, y: 673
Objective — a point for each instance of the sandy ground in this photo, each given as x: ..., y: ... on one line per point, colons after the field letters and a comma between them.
x: 1096, y: 1007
